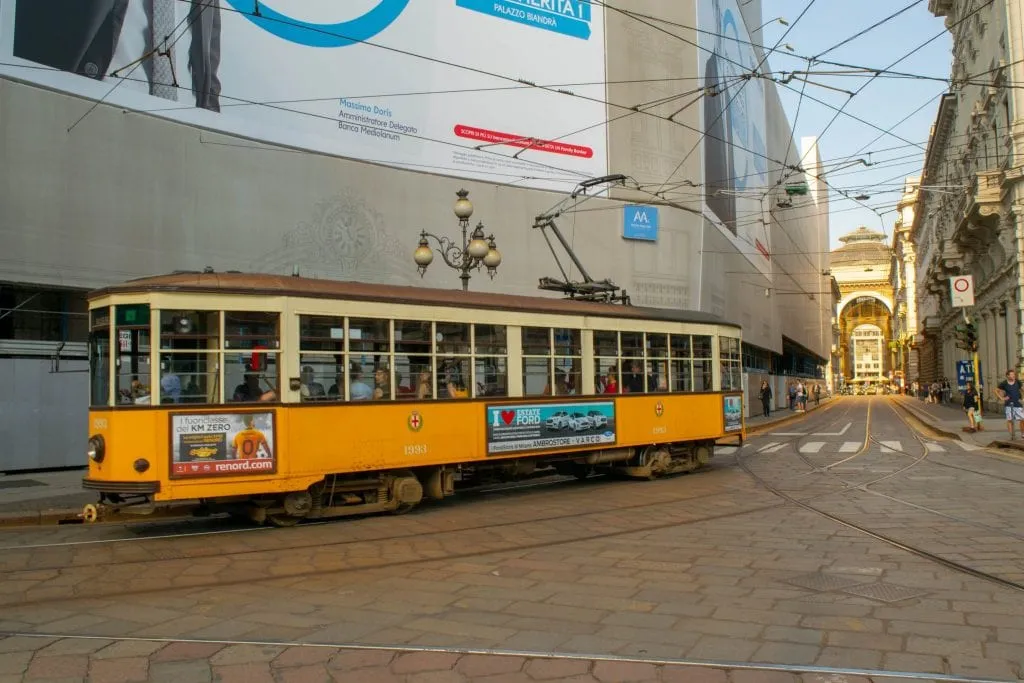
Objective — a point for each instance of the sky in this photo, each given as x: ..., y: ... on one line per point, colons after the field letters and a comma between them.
x: 881, y: 104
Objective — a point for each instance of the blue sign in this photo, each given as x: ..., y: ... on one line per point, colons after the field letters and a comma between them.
x: 531, y: 427
x: 965, y: 374
x: 357, y: 30
x: 568, y: 17
x: 640, y: 223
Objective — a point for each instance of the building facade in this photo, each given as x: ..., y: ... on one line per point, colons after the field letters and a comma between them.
x: 866, y: 311
x: 967, y: 215
x: 111, y: 171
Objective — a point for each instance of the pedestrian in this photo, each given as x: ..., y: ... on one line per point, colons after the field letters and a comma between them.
x: 801, y: 397
x: 791, y: 389
x: 766, y: 397
x: 1009, y: 392
x: 971, y: 408
x: 817, y: 395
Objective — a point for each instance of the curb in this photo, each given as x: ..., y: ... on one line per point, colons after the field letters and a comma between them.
x: 40, y: 517
x: 761, y: 428
x: 925, y: 420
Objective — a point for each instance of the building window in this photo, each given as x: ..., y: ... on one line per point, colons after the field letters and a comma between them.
x: 35, y: 314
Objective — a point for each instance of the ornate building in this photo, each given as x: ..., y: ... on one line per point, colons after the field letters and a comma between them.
x: 967, y: 215
x: 904, y: 286
x: 862, y: 269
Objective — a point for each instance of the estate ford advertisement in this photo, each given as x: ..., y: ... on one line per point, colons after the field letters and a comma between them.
x: 206, y: 444
x: 531, y: 427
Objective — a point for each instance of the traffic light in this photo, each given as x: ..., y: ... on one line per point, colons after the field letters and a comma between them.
x: 967, y: 336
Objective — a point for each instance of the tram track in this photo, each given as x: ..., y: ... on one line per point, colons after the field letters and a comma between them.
x: 69, y: 590
x: 864, y: 487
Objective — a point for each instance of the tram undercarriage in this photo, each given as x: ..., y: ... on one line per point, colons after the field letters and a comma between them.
x: 399, y: 491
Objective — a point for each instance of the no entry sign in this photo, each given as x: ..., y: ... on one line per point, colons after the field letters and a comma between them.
x: 962, y: 289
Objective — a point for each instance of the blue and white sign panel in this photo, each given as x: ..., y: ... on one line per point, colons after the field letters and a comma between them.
x: 328, y: 75
x: 964, y: 373
x: 568, y: 17
x: 531, y: 427
x: 640, y: 223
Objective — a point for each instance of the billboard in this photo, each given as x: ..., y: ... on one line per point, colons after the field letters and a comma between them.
x: 455, y: 87
x: 735, y: 167
x: 214, y: 444
x: 531, y: 427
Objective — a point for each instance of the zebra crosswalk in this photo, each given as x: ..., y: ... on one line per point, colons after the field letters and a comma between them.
x: 887, y: 446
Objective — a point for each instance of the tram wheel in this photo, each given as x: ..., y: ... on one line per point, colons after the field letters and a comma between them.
x: 283, y: 520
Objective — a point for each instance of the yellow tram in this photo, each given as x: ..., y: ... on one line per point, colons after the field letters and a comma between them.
x: 288, y: 398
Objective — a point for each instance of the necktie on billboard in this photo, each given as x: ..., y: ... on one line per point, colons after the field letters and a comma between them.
x: 162, y: 83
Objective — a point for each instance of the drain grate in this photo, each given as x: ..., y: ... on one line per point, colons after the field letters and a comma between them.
x: 817, y: 581
x: 884, y: 592
x: 19, y: 483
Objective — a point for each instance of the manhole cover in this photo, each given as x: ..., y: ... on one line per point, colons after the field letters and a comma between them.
x: 19, y: 483
x: 822, y: 582
x: 885, y: 592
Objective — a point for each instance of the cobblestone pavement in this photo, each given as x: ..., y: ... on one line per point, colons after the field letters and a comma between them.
x: 736, y: 568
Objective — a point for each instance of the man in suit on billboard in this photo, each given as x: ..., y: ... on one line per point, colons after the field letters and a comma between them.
x: 83, y: 37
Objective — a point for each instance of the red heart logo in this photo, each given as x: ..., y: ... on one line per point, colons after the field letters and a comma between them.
x: 508, y: 416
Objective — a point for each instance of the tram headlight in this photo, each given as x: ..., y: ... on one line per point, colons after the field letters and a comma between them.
x: 96, y: 449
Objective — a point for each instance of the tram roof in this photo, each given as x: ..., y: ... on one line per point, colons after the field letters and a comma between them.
x: 260, y: 284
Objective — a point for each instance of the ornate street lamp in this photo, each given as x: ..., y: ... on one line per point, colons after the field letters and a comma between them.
x: 464, y: 256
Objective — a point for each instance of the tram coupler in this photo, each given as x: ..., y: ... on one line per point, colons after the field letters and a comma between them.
x: 92, y: 512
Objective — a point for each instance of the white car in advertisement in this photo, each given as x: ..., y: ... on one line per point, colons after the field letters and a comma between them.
x: 598, y: 418
x: 559, y: 420
x: 580, y: 422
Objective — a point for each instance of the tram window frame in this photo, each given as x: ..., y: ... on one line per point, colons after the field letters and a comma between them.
x: 244, y: 331
x: 731, y: 362
x: 181, y: 345
x: 490, y: 360
x: 537, y: 358
x: 99, y: 356
x: 631, y: 362
x: 134, y: 346
x: 410, y: 353
x: 604, y: 341
x: 567, y: 361
x: 700, y: 344
x: 657, y: 365
x: 373, y: 350
x: 322, y: 345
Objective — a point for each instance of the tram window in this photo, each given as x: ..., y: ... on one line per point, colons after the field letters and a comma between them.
x: 369, y: 335
x: 453, y: 338
x: 491, y: 375
x: 321, y: 358
x: 536, y: 341
x: 568, y: 362
x: 189, y: 330
x: 99, y: 357
x: 318, y: 376
x: 701, y: 346
x: 453, y: 377
x: 681, y: 346
x: 253, y: 376
x: 632, y: 377
x: 414, y: 345
x: 682, y: 363
x: 251, y: 330
x: 606, y: 344
x: 132, y: 358
x: 536, y: 376
x: 729, y: 352
x: 490, y: 340
x: 490, y: 360
x: 321, y: 333
x: 702, y: 370
x: 702, y: 375
x: 189, y: 377
x: 682, y: 375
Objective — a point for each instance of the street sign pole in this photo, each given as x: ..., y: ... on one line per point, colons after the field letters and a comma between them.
x: 961, y: 289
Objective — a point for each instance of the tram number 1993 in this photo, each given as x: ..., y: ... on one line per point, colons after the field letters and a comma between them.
x: 415, y: 449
